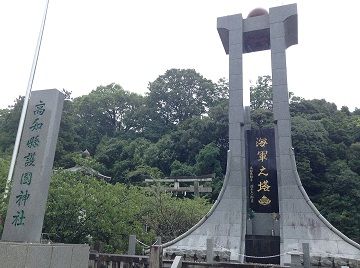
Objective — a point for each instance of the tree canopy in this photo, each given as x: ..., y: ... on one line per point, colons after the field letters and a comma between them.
x: 179, y: 128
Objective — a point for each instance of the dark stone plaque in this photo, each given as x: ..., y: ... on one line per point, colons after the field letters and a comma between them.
x: 263, y: 190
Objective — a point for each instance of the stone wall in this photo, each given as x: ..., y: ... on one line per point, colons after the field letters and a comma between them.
x: 34, y: 255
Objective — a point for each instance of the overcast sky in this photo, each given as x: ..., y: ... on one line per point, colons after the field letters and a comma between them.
x: 88, y: 43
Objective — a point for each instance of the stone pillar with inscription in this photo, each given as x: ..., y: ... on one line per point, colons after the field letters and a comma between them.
x: 31, y: 179
x: 29, y: 191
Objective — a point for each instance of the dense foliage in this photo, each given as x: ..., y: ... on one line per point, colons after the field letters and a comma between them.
x: 83, y: 209
x: 178, y: 128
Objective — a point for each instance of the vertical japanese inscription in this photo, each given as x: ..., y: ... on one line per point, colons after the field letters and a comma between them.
x: 32, y: 144
x: 263, y: 192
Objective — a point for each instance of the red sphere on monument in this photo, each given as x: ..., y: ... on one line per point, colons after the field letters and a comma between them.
x: 257, y: 12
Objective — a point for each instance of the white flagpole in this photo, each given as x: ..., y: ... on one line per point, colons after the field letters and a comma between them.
x: 26, y: 101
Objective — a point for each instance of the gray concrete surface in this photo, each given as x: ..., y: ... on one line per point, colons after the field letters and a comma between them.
x: 34, y: 255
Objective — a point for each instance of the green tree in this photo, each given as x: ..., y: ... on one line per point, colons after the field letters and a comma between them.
x: 207, y: 160
x: 83, y: 209
x: 262, y: 118
x: 191, y: 136
x: 313, y: 109
x: 9, y: 122
x: 160, y: 154
x: 310, y: 140
x: 219, y: 116
x: 339, y: 201
x: 261, y: 103
x: 140, y: 173
x: 354, y: 157
x: 105, y: 111
x: 170, y: 217
x: 68, y: 140
x: 180, y: 94
x: 4, y: 170
x: 261, y: 94
x: 121, y: 156
x: 181, y: 169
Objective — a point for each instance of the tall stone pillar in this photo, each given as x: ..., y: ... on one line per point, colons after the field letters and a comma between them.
x: 231, y: 29
x: 225, y: 221
x: 236, y: 110
x: 281, y: 21
x: 33, y: 168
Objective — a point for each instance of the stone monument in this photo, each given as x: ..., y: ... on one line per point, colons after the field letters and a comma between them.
x: 20, y: 246
x: 262, y: 209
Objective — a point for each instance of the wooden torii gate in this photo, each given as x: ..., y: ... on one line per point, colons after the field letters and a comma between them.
x: 196, y: 188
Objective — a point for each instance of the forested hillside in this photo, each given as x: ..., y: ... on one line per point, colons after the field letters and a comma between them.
x: 178, y: 128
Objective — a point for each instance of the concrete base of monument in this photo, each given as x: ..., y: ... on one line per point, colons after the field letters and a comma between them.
x: 36, y: 255
x: 227, y: 223
x: 301, y: 222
